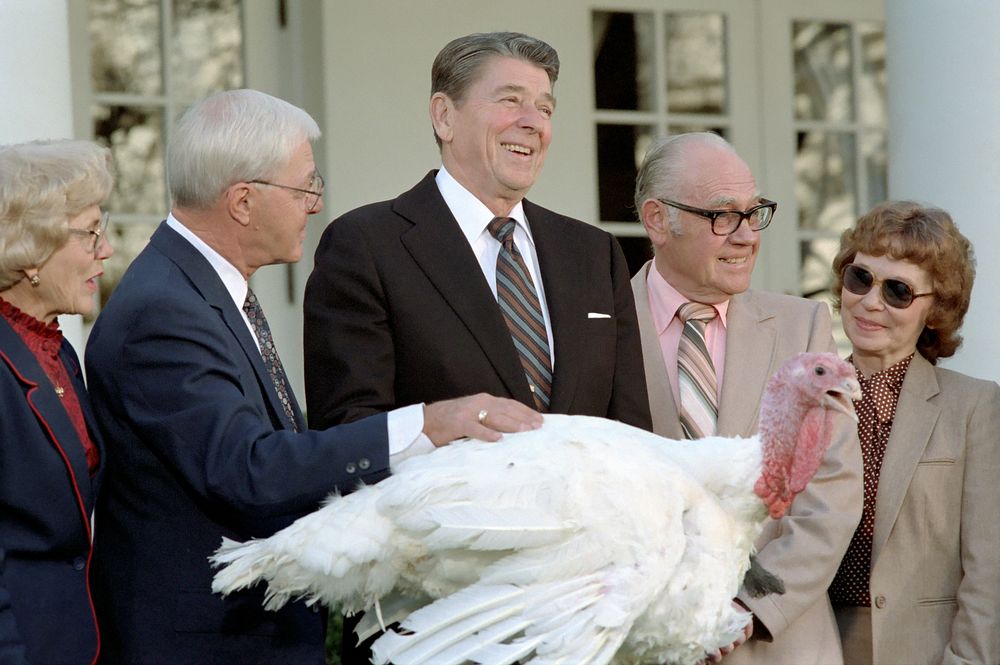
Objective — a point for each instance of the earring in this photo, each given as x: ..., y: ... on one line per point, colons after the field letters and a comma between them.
x: 34, y: 280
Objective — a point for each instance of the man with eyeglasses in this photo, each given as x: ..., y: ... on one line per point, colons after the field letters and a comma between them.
x: 710, y: 343
x: 205, y: 438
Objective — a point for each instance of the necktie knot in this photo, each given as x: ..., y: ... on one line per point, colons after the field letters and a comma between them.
x: 501, y: 228
x: 696, y: 311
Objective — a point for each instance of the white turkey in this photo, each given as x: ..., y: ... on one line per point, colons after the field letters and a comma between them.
x: 584, y: 541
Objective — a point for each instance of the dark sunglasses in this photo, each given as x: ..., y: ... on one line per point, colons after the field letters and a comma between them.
x: 895, y: 293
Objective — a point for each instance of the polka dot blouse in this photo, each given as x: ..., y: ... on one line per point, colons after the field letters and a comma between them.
x: 876, y: 410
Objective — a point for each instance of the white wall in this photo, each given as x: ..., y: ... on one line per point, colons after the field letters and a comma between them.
x: 35, y: 80
x: 944, y: 140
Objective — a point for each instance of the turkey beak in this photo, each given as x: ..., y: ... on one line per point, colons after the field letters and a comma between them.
x: 839, y: 397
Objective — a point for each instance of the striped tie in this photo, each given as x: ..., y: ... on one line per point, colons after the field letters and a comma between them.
x: 696, y: 372
x: 521, y: 310
x: 269, y: 354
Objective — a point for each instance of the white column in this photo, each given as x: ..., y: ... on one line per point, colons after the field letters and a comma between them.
x: 35, y: 80
x: 944, y: 141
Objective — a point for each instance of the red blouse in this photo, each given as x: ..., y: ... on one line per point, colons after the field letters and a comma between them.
x: 44, y: 341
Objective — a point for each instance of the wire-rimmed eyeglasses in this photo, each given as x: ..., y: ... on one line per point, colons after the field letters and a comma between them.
x: 312, y: 195
x: 725, y: 222
x: 97, y: 233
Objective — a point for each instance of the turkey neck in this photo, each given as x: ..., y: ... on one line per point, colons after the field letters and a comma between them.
x: 787, y: 425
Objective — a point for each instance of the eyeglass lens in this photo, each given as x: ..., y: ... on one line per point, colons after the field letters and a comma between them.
x: 859, y: 281
x: 728, y: 221
x: 316, y: 187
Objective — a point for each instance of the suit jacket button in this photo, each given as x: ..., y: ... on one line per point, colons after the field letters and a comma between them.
x: 880, y: 601
x: 351, y: 468
x: 79, y: 563
x: 364, y: 464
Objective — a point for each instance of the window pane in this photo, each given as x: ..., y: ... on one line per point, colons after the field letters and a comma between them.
x: 623, y: 60
x: 825, y: 180
x: 637, y: 250
x: 696, y: 63
x: 125, y: 46
x: 135, y: 136
x: 815, y: 271
x: 875, y: 156
x: 206, y: 47
x: 816, y: 275
x: 823, y: 82
x: 871, y: 87
x: 620, y: 149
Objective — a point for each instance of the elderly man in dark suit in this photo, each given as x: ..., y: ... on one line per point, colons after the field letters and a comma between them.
x: 460, y: 285
x: 205, y: 438
x: 411, y: 299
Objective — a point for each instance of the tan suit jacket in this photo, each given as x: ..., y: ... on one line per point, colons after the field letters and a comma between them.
x: 804, y: 548
x: 935, y: 580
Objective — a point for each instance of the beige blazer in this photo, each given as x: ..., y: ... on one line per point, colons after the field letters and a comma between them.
x: 935, y: 579
x: 805, y: 547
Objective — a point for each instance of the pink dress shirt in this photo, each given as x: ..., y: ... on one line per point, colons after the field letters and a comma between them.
x: 664, y: 301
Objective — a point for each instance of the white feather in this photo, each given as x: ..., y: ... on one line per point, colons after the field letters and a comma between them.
x: 586, y: 541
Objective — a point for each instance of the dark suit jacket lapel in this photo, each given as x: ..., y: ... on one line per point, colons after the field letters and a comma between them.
x: 561, y: 280
x: 439, y: 248
x: 49, y: 409
x: 750, y: 344
x: 206, y: 281
x: 911, y: 431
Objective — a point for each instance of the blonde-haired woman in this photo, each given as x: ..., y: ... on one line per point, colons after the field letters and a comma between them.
x: 52, y: 247
x: 920, y: 582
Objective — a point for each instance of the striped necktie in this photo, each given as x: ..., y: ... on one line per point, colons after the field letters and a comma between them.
x: 269, y: 354
x: 696, y: 373
x: 521, y: 310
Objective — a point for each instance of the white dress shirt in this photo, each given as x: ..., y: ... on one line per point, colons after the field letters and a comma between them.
x: 473, y: 217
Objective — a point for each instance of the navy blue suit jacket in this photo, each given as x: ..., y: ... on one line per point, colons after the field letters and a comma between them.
x: 199, y: 448
x: 46, y: 500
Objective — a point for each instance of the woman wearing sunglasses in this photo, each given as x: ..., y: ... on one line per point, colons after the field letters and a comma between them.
x: 52, y: 247
x: 920, y: 582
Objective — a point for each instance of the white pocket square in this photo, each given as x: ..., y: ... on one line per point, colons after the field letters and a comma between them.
x: 597, y: 315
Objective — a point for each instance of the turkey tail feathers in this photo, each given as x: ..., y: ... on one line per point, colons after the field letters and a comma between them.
x: 502, y: 624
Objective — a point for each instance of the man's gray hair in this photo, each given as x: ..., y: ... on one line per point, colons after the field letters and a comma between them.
x: 459, y: 63
x: 229, y: 137
x: 663, y: 165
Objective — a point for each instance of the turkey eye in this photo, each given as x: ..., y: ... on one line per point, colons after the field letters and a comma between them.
x: 820, y: 371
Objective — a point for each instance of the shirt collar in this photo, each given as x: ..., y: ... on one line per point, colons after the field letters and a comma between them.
x: 666, y: 300
x: 472, y: 214
x: 231, y: 277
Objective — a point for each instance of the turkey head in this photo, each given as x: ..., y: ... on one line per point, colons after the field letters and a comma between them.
x: 797, y: 412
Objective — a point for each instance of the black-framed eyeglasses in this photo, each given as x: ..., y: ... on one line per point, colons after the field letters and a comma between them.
x: 725, y: 222
x: 312, y: 195
x: 97, y: 233
x: 895, y: 292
